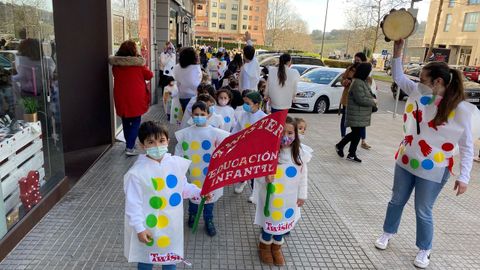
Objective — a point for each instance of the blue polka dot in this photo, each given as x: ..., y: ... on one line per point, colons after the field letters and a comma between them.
x: 227, y: 119
x: 205, y: 171
x: 427, y: 164
x: 206, y: 158
x: 289, y: 213
x: 172, y: 181
x: 425, y: 100
x: 175, y: 199
x: 291, y: 171
x: 206, y: 145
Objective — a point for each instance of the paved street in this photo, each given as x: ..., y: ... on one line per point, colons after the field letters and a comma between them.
x: 340, y: 221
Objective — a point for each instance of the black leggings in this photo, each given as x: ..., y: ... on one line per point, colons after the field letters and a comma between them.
x: 353, y: 138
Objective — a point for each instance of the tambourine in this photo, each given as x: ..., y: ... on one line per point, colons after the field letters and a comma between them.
x: 398, y: 24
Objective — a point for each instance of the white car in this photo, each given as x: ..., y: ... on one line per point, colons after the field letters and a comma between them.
x: 320, y: 90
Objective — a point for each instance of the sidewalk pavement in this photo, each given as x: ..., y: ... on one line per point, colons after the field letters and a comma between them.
x: 340, y: 220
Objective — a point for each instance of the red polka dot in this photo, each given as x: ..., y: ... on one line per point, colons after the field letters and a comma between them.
x: 405, y: 159
x: 405, y: 117
x: 447, y: 147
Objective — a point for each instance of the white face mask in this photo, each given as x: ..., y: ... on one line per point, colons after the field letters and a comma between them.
x: 223, y: 102
x: 424, y: 89
x: 157, y: 152
x: 301, y: 136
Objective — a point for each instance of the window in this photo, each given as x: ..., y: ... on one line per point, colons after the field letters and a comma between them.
x: 245, y: 7
x: 199, y: 7
x: 223, y: 6
x: 255, y: 28
x: 249, y: 27
x: 221, y: 26
x: 234, y: 17
x: 473, y: 2
x: 244, y: 27
x: 470, y: 22
x: 214, y: 25
x: 214, y: 4
x: 448, y: 22
x: 256, y: 18
x: 233, y: 27
x: 245, y: 17
x: 257, y: 8
x: 249, y: 18
x: 451, y: 3
x: 223, y: 16
x: 234, y: 7
x: 214, y: 14
x: 319, y: 76
x: 205, y: 24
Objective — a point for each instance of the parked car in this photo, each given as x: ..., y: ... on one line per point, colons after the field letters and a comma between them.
x: 302, y: 69
x: 472, y: 89
x: 471, y: 73
x: 296, y: 59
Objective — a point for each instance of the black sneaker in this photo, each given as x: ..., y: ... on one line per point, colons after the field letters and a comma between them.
x: 210, y: 228
x: 354, y: 159
x: 339, y: 151
x: 191, y: 220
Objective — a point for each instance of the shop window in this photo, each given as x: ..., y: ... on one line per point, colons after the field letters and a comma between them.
x: 470, y: 22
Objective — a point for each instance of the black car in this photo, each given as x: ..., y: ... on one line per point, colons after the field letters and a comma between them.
x: 472, y: 89
x: 296, y: 59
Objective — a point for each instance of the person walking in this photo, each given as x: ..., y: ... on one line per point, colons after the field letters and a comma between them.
x: 360, y: 57
x: 203, y: 58
x: 346, y: 82
x: 282, y: 84
x: 166, y: 64
x: 131, y: 96
x: 359, y: 111
x: 188, y: 75
x: 250, y: 70
x: 437, y: 123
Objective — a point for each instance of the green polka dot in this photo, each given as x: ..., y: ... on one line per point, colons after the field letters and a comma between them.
x: 176, y: 109
x: 186, y: 157
x: 150, y: 243
x: 175, y: 116
x: 151, y: 221
x: 155, y: 202
x: 414, y: 164
x: 404, y: 129
x: 185, y: 146
x: 155, y: 186
x: 271, y: 189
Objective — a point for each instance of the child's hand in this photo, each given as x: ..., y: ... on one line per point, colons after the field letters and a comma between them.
x: 145, y: 236
x: 209, y: 197
x: 270, y: 178
x: 300, y: 202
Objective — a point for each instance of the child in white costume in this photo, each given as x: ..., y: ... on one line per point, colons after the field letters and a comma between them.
x: 203, y: 88
x: 155, y: 187
x: 197, y: 143
x: 223, y: 108
x: 288, y: 193
x: 168, y: 92
x: 213, y: 119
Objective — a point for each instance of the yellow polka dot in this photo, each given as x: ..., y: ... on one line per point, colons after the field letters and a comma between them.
x: 277, y: 203
x: 159, y: 183
x: 451, y: 115
x: 409, y: 108
x: 279, y: 188
x: 195, y: 145
x: 196, y: 158
x: 163, y: 241
x: 276, y: 215
x: 196, y: 172
x: 164, y: 203
x: 247, y: 125
x: 197, y: 183
x: 401, y: 151
x: 279, y: 173
x: 162, y: 222
x: 439, y: 157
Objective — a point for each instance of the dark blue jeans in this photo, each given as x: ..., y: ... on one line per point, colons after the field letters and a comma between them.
x: 130, y: 130
x: 207, y: 210
x: 216, y: 83
x: 267, y: 237
x: 149, y: 266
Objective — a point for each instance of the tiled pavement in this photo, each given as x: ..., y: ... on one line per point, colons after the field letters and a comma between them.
x: 342, y: 217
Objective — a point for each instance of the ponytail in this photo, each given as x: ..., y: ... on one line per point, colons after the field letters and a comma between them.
x: 282, y: 73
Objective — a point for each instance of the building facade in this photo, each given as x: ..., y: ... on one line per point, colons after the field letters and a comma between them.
x: 458, y: 30
x: 228, y: 20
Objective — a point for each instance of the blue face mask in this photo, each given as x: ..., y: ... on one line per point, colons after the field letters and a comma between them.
x: 199, y: 120
x: 247, y: 107
x: 211, y: 109
x: 157, y: 152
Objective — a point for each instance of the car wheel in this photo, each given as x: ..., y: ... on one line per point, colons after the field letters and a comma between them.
x: 321, y: 105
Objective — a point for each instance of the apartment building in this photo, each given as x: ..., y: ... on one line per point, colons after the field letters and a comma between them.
x: 458, y: 30
x: 228, y: 20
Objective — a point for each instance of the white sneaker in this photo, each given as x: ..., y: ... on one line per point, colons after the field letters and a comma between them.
x: 250, y: 199
x: 131, y: 152
x: 382, y: 241
x: 423, y: 259
x: 240, y: 187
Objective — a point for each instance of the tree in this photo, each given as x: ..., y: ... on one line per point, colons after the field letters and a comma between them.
x: 435, y: 30
x: 278, y: 19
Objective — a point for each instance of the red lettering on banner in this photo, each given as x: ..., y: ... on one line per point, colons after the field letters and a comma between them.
x: 281, y: 227
x: 169, y: 257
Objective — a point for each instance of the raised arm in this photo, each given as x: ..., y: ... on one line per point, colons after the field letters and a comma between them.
x: 404, y: 83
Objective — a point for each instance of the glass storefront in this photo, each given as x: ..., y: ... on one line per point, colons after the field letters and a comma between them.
x: 31, y: 149
x: 131, y: 20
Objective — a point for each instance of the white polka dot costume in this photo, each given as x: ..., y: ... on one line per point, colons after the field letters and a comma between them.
x: 161, y: 188
x: 246, y: 119
x: 197, y: 144
x: 176, y: 113
x: 428, y: 149
x: 228, y: 114
x: 289, y: 185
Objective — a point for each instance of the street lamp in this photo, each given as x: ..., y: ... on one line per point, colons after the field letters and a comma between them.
x: 324, y: 27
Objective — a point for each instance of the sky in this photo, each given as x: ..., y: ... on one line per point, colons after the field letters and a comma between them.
x: 313, y: 11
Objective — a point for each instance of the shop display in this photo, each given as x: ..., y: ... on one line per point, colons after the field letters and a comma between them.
x: 30, y: 190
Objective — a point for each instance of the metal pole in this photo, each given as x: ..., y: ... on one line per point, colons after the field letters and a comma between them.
x: 324, y: 27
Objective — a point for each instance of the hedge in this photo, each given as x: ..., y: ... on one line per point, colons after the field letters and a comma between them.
x: 336, y: 63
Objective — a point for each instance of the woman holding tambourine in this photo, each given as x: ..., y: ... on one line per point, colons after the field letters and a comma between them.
x: 437, y: 123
